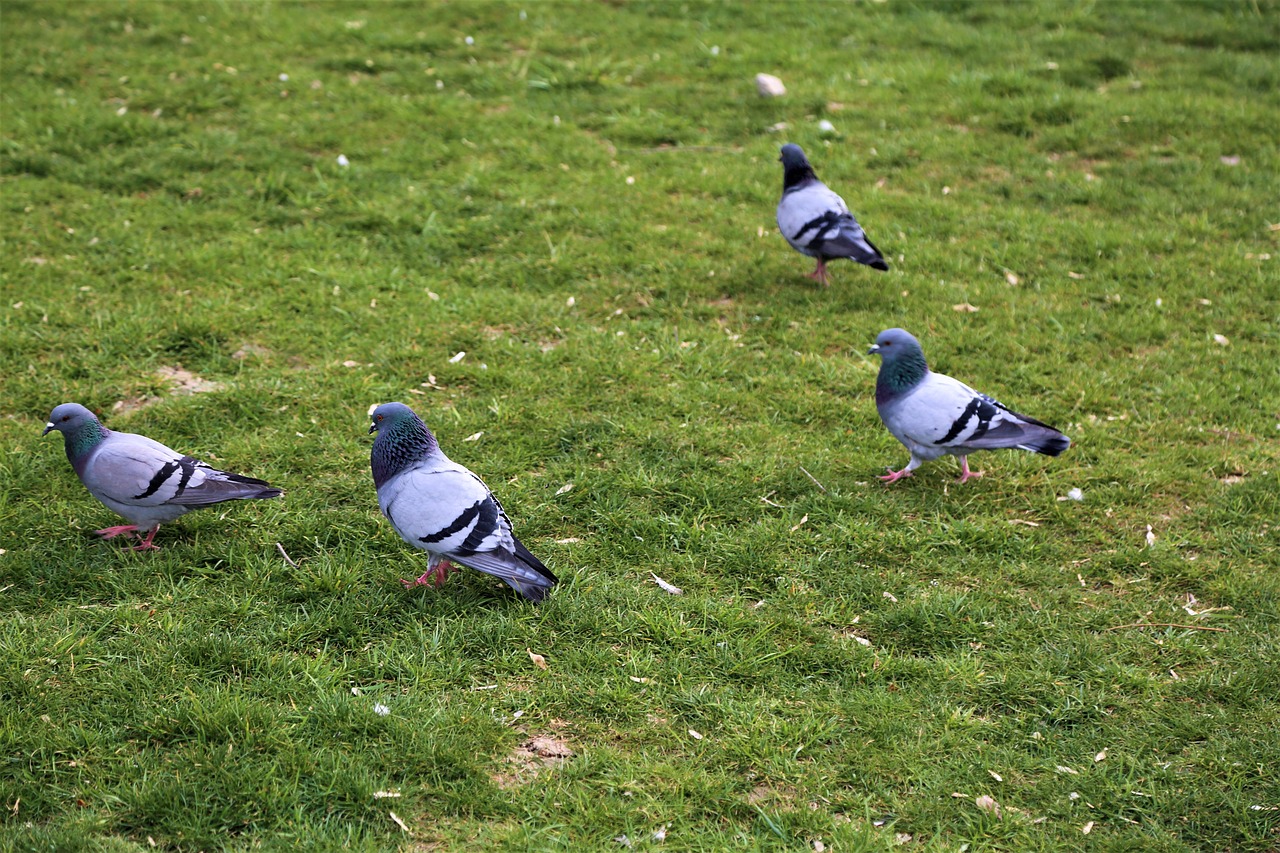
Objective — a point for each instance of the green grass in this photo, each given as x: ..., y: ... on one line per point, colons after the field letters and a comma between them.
x: 169, y: 201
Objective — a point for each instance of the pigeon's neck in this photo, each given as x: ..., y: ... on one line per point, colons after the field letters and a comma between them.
x: 794, y: 176
x: 399, y: 446
x: 81, y: 443
x: 900, y: 374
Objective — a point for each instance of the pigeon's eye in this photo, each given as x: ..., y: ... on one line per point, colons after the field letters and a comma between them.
x: 66, y: 418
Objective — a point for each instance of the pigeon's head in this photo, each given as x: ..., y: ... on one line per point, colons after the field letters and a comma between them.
x: 792, y: 157
x: 892, y: 344
x: 391, y: 414
x: 68, y: 418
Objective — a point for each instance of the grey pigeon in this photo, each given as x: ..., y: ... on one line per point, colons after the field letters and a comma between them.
x: 933, y: 414
x: 439, y: 506
x: 816, y: 221
x: 140, y: 479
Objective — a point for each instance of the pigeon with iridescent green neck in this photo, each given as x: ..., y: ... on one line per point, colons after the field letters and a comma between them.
x: 933, y: 414
x: 142, y: 480
x: 816, y: 221
x: 439, y: 506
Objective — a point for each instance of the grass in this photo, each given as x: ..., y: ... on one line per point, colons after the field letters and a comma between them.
x: 862, y: 663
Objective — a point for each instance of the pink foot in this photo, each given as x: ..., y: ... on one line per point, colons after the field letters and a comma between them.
x: 435, y: 577
x: 112, y: 532
x: 894, y: 476
x: 820, y: 274
x: 145, y: 544
x: 965, y: 473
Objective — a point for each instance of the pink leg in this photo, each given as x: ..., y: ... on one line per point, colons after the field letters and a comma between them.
x: 965, y: 473
x: 145, y: 544
x: 112, y: 532
x: 820, y: 273
x: 435, y: 576
x: 894, y: 476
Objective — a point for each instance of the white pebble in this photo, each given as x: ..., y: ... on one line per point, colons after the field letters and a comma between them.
x: 1076, y: 494
x: 769, y: 86
x: 825, y: 126
x: 469, y: 40
x: 343, y: 161
x: 284, y: 78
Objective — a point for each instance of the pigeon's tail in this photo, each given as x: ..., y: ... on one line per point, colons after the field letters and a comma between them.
x: 856, y: 247
x: 218, y: 486
x: 522, y: 571
x: 1042, y: 438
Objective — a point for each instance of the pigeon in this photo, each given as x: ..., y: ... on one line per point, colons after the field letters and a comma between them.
x: 441, y: 507
x: 933, y: 414
x: 816, y: 221
x: 142, y: 480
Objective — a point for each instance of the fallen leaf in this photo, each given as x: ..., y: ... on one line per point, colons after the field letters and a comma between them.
x: 1087, y: 828
x: 1221, y: 340
x: 799, y: 523
x: 379, y: 795
x: 395, y: 817
x: 1151, y: 537
x: 1062, y: 769
x: 964, y: 307
x: 996, y: 776
x: 457, y: 357
x: 1101, y: 756
x: 538, y: 660
x: 660, y: 834
x: 696, y: 735
x: 987, y: 804
x: 475, y: 436
x: 638, y: 680
x: 1011, y: 278
x: 890, y: 596
x: 565, y: 489
x: 670, y: 589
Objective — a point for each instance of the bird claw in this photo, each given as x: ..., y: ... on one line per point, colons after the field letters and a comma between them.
x: 965, y: 473
x: 431, y: 577
x: 112, y: 532
x: 894, y: 476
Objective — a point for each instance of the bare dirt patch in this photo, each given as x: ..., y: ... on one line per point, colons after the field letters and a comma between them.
x: 530, y: 758
x: 181, y: 383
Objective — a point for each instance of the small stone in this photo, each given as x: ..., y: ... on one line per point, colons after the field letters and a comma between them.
x: 769, y: 86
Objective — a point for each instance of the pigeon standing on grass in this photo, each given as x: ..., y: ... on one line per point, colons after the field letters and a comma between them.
x: 439, y: 506
x: 816, y: 221
x: 142, y: 480
x: 933, y: 414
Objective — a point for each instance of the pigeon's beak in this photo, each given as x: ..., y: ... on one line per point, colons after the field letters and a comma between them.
x: 373, y: 429
x: 875, y: 348
x: 48, y: 428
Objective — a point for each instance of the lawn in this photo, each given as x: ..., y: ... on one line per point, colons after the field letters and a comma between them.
x: 549, y: 228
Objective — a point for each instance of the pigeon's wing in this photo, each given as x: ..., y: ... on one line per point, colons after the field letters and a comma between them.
x: 448, y: 510
x: 944, y: 412
x: 817, y: 222
x: 808, y: 214
x: 135, y: 471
